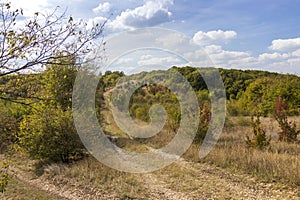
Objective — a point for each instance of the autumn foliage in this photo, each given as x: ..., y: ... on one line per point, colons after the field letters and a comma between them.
x: 289, y: 130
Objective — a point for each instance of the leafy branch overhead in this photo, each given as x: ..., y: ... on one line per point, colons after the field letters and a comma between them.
x: 42, y: 39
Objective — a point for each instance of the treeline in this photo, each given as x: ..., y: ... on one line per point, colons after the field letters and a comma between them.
x: 247, y: 92
x: 252, y: 91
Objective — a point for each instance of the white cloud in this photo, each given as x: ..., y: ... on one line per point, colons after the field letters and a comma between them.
x: 96, y: 20
x: 296, y: 53
x: 213, y: 49
x: 287, y: 62
x: 171, y: 40
x: 285, y: 44
x: 102, y: 8
x: 294, y: 62
x: 272, y: 56
x: 121, y: 61
x: 30, y: 8
x: 218, y: 55
x: 146, y: 57
x: 152, y: 13
x: 213, y: 37
x: 279, y: 62
x: 159, y: 61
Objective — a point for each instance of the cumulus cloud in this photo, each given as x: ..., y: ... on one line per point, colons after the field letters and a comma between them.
x: 285, y: 44
x: 152, y: 13
x: 96, y: 20
x: 121, y: 61
x: 272, y: 56
x: 146, y: 57
x: 102, y: 8
x: 296, y: 53
x: 221, y: 56
x: 216, y: 56
x: 295, y: 62
x: 213, y: 37
x: 159, y: 61
x: 287, y: 62
x: 171, y: 40
x: 218, y: 52
x: 279, y: 62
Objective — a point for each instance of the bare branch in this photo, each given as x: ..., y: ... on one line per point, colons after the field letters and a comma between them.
x: 44, y: 39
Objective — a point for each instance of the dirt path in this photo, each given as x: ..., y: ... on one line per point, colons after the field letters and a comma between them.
x: 59, y: 191
x: 210, y: 182
x: 217, y: 183
x: 159, y: 190
x: 183, y: 180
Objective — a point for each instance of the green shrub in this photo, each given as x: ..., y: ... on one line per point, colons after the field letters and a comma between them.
x: 8, y: 126
x: 10, y: 117
x: 205, y: 117
x: 49, y: 134
x: 259, y: 139
x: 3, y: 176
x: 289, y: 130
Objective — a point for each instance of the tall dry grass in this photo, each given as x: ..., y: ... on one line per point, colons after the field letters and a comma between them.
x: 280, y: 162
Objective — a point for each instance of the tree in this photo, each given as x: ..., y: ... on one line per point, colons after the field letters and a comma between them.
x: 259, y: 96
x: 44, y: 39
x: 49, y: 134
x: 58, y: 84
x: 48, y: 131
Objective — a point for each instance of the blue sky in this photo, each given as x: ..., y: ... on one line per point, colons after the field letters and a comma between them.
x: 242, y: 34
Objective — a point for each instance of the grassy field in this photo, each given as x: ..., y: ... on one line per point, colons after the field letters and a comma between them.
x: 278, y: 163
x: 230, y: 171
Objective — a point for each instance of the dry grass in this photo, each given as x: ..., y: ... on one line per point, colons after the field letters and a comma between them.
x: 279, y: 163
x: 19, y: 190
x: 90, y: 175
x: 84, y: 178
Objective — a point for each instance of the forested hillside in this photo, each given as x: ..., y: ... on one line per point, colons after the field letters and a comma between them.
x: 252, y: 90
x: 247, y: 91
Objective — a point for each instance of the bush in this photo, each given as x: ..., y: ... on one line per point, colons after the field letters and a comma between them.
x: 205, y: 117
x: 289, y: 130
x: 8, y: 127
x: 10, y: 116
x: 50, y: 134
x: 259, y: 139
x: 3, y: 175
